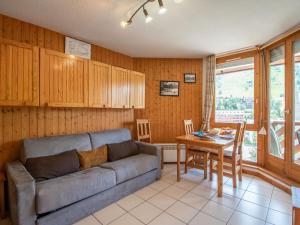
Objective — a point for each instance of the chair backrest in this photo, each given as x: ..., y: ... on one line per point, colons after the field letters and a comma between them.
x: 239, y: 138
x: 143, y: 130
x: 188, y: 126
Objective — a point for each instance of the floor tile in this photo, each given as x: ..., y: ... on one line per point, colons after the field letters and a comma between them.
x: 129, y: 202
x: 145, y: 212
x: 282, y: 196
x: 253, y: 209
x: 239, y: 218
x: 186, y: 185
x: 227, y: 200
x: 170, y: 179
x: 194, y: 200
x: 260, y: 189
x: 159, y: 185
x: 262, y: 183
x: 204, y: 219
x: 126, y: 219
x: 281, y: 206
x: 204, y: 191
x: 279, y: 218
x: 174, y: 192
x: 161, y: 201
x: 110, y: 213
x: 90, y: 220
x: 256, y: 198
x: 218, y: 211
x: 145, y: 193
x: 236, y: 192
x: 165, y: 219
x: 182, y: 211
x: 240, y: 184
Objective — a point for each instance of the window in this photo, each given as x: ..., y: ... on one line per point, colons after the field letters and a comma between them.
x: 250, y: 146
x: 234, y: 91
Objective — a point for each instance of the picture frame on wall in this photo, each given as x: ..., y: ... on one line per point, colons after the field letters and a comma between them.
x: 189, y: 78
x: 77, y: 48
x: 169, y: 88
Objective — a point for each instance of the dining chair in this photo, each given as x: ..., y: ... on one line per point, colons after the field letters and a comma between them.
x: 144, y: 135
x: 196, y: 157
x: 232, y: 157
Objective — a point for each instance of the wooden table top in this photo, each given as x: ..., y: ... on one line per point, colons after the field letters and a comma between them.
x: 217, y: 142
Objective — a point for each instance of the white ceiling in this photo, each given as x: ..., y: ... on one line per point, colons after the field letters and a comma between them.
x: 193, y: 28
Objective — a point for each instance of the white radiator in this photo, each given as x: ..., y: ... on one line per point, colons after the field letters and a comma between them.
x: 170, y: 152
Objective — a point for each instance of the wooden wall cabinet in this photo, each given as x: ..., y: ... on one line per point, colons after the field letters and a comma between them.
x: 99, y: 85
x: 63, y: 80
x: 19, y: 74
x: 137, y: 90
x: 120, y: 87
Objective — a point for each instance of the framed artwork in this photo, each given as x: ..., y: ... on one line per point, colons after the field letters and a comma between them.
x: 77, y: 48
x: 189, y: 78
x: 169, y: 88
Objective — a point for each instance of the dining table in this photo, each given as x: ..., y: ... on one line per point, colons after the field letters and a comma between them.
x: 216, y: 144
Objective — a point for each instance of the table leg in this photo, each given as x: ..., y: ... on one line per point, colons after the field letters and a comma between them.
x: 186, y: 158
x: 178, y: 162
x: 220, y: 172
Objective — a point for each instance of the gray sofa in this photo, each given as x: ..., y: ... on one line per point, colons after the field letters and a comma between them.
x: 67, y: 199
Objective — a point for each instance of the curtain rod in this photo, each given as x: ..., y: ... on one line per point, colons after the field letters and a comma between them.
x: 241, y: 50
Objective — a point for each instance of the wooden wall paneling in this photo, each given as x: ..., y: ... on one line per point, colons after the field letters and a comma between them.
x: 76, y: 74
x: 99, y: 85
x: 166, y: 113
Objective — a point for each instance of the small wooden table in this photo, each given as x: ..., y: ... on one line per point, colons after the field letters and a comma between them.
x: 2, y: 199
x: 217, y: 145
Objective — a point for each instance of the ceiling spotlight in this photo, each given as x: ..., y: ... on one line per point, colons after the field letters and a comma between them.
x: 148, y: 18
x: 162, y: 9
x: 124, y: 24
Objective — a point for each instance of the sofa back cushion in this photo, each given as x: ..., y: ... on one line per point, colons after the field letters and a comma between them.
x: 122, y: 150
x: 92, y: 158
x: 46, y: 146
x: 48, y: 167
x: 99, y: 139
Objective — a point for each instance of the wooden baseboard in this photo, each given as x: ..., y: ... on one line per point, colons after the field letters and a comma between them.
x: 280, y: 182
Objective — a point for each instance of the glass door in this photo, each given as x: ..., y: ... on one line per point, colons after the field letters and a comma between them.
x: 277, y: 108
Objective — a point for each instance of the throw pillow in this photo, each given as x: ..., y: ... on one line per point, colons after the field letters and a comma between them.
x: 48, y: 167
x: 122, y: 150
x: 92, y: 158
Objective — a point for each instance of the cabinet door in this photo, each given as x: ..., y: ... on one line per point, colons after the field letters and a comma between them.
x: 137, y: 90
x: 99, y: 85
x: 120, y: 87
x: 19, y: 74
x: 63, y: 80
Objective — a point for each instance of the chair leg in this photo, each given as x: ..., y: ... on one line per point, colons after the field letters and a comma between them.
x: 205, y: 159
x: 210, y: 169
x: 234, y: 174
x: 240, y: 172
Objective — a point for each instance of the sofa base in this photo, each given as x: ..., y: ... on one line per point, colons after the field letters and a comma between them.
x: 72, y: 213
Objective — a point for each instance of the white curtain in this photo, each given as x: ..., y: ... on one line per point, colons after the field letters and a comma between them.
x: 209, y: 91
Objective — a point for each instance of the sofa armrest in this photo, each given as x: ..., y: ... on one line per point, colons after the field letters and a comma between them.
x: 21, y: 191
x: 151, y: 149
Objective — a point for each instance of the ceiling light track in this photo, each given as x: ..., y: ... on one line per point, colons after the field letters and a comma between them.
x: 148, y: 18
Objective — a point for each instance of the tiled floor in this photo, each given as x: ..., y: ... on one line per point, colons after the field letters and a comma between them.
x: 193, y: 201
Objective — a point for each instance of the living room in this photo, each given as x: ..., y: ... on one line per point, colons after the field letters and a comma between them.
x: 160, y: 112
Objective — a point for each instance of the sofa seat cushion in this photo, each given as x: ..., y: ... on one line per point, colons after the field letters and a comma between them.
x: 132, y: 166
x: 59, y: 192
